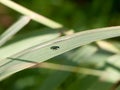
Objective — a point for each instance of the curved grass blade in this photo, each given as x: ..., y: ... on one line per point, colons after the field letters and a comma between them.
x: 27, y: 40
x: 63, y: 44
x: 17, y: 26
x: 45, y: 51
x: 37, y: 17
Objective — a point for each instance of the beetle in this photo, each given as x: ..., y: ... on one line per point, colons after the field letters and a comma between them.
x: 54, y: 47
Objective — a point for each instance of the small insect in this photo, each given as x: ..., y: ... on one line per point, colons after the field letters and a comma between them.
x: 54, y: 47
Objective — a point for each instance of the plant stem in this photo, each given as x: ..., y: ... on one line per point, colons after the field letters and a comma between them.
x: 37, y: 17
x: 71, y: 69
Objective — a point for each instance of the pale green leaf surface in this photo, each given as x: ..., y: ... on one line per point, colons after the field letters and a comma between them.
x: 114, y: 60
x: 97, y: 60
x: 43, y: 52
x: 65, y: 44
x: 108, y: 46
x: 82, y: 54
x: 114, y: 75
x: 24, y: 41
x: 88, y: 55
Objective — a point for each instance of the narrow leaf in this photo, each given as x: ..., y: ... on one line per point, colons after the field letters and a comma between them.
x: 45, y: 51
x: 17, y: 26
x: 31, y: 14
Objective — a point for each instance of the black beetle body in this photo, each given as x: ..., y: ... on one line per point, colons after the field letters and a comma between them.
x: 54, y: 47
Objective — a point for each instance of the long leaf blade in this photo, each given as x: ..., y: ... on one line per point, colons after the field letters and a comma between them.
x: 45, y: 51
x: 66, y: 43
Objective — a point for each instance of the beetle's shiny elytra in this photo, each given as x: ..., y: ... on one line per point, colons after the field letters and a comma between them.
x: 54, y: 47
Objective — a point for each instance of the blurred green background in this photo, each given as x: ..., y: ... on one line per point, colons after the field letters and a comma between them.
x: 79, y: 15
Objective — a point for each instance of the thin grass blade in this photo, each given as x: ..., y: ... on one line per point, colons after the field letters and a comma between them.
x: 16, y: 27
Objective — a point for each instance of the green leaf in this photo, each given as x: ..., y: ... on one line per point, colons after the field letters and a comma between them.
x: 115, y: 61
x: 65, y: 44
x: 55, y: 79
x: 23, y: 41
x: 83, y: 83
x: 45, y: 51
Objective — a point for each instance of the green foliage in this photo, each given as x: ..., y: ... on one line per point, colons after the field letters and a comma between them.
x: 91, y: 67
